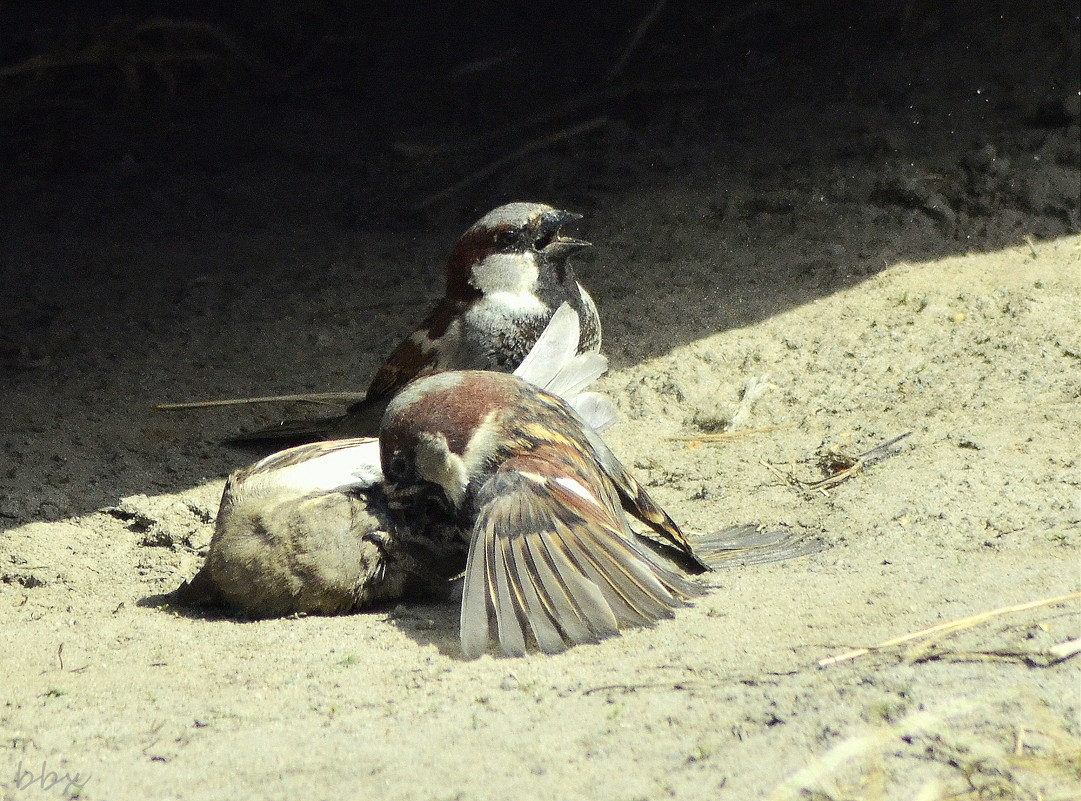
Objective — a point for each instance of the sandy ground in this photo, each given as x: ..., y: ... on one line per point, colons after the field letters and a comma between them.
x: 781, y: 275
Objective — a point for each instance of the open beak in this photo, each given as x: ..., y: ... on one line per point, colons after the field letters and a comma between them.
x: 550, y: 241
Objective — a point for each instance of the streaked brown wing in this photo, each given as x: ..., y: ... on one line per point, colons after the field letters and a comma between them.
x: 416, y: 355
x: 635, y: 500
x: 549, y: 565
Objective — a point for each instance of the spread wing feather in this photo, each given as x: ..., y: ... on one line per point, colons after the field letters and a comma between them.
x: 568, y: 595
x: 554, y: 348
x: 543, y: 620
x: 596, y: 410
x: 550, y: 565
x: 554, y: 364
x: 636, y: 500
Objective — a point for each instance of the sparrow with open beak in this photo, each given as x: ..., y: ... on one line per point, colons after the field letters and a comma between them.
x: 308, y: 529
x: 552, y: 559
x: 505, y: 279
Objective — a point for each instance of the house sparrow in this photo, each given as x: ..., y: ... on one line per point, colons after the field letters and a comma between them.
x: 505, y: 278
x: 308, y: 529
x: 541, y: 499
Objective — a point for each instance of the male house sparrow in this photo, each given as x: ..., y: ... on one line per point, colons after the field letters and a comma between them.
x: 552, y: 558
x: 308, y: 529
x: 505, y: 279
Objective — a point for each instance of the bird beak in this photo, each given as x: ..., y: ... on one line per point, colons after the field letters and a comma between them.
x: 549, y: 239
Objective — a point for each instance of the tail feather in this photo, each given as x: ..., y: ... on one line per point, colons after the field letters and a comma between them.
x: 296, y: 431
x: 752, y: 544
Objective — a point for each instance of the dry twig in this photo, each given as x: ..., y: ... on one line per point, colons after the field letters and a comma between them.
x: 839, y: 466
x: 721, y: 436
x: 1063, y: 650
x: 322, y: 398
x: 632, y: 45
x: 529, y: 147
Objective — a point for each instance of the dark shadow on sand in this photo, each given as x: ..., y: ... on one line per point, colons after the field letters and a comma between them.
x: 266, y: 239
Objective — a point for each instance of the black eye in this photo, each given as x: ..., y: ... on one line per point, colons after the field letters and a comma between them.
x: 507, y: 239
x: 398, y: 467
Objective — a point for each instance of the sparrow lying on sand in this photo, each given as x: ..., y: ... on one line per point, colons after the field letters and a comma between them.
x: 505, y: 279
x: 308, y: 529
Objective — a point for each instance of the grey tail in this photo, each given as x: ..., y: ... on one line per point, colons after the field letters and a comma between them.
x: 362, y: 419
x: 287, y: 432
x: 752, y: 544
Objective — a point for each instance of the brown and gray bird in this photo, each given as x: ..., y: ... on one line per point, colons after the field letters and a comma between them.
x: 552, y: 558
x: 307, y: 530
x: 504, y: 280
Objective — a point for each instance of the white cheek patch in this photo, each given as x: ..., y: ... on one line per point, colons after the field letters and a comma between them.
x: 435, y: 463
x: 512, y: 274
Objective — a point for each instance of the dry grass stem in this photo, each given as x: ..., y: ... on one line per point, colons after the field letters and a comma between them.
x: 322, y: 398
x: 869, y: 766
x: 1067, y: 649
x: 852, y: 748
x: 722, y: 436
x: 636, y: 39
x: 121, y: 43
x: 838, y: 465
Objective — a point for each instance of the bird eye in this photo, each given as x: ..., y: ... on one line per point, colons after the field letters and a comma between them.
x: 507, y: 238
x: 398, y: 467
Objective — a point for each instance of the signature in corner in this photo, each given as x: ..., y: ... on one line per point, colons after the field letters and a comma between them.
x: 48, y: 779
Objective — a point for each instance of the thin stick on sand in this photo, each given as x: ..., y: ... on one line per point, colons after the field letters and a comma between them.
x: 840, y: 467
x: 324, y: 398
x: 721, y: 436
x: 632, y: 45
x: 953, y: 626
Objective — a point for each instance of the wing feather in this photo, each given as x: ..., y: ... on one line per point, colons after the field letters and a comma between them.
x: 630, y: 576
x: 637, y: 501
x: 750, y: 544
x: 554, y: 365
x: 590, y: 606
x: 534, y: 607
x: 560, y: 598
x: 508, y: 626
x: 554, y: 348
x: 625, y: 612
x: 576, y: 374
x: 596, y: 410
x: 474, y: 625
x: 549, y: 564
